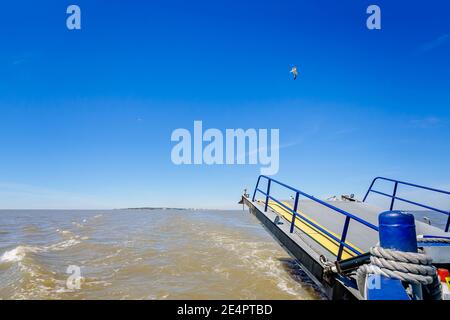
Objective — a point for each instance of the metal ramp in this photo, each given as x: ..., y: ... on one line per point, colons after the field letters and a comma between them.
x: 359, y: 237
x: 318, y: 232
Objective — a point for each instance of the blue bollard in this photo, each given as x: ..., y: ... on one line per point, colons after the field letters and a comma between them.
x: 397, y: 231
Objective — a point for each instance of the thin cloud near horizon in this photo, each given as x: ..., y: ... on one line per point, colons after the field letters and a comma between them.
x: 434, y: 44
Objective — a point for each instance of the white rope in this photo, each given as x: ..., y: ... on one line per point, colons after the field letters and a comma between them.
x: 415, y: 268
x: 433, y: 240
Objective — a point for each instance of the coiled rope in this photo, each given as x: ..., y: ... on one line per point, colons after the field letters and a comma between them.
x: 433, y: 240
x: 415, y: 268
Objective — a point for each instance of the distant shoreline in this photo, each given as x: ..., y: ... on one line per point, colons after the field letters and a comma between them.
x: 156, y: 208
x: 109, y: 209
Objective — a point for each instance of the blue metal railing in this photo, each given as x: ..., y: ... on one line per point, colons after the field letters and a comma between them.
x: 295, y: 214
x: 394, y: 196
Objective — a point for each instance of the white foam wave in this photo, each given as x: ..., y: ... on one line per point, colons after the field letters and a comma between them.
x: 63, y: 232
x: 18, y: 253
x: 262, y: 257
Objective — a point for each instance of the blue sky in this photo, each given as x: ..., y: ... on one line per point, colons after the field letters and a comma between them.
x: 86, y: 116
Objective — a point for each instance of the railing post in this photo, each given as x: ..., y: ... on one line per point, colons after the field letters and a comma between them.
x: 295, y: 212
x: 343, y: 237
x: 448, y: 224
x: 256, y: 188
x: 393, y: 196
x: 368, y: 190
x: 267, y: 194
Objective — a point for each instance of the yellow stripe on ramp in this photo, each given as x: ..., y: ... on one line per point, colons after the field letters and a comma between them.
x: 323, y: 239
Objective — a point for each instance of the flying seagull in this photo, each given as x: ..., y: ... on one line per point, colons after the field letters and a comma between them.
x: 294, y: 72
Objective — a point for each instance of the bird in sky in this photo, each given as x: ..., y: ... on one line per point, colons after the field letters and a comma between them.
x: 294, y: 72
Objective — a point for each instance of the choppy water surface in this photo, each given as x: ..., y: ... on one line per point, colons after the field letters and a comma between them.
x: 144, y: 254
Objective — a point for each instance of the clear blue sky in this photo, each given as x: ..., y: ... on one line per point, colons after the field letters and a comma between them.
x: 86, y: 116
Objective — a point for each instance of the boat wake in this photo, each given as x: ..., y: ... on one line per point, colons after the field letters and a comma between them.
x: 18, y: 253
